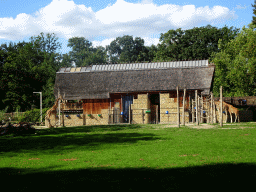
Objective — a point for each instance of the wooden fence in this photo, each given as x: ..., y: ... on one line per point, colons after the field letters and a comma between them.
x: 13, y: 115
x: 239, y: 101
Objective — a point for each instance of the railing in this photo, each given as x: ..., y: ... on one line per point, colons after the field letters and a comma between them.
x: 13, y: 115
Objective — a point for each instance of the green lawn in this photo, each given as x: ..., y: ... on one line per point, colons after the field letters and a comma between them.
x: 130, y: 157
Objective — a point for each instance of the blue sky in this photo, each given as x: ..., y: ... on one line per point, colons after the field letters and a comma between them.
x: 101, y: 21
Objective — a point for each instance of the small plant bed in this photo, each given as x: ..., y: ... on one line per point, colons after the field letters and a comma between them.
x: 130, y: 157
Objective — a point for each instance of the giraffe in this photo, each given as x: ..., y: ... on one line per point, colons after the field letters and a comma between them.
x: 50, y: 111
x: 225, y: 107
x: 231, y: 110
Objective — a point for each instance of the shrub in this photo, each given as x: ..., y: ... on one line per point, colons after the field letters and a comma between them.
x: 2, y: 115
x: 32, y: 115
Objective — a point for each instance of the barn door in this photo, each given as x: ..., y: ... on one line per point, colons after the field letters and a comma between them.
x: 127, y: 101
x: 116, y: 113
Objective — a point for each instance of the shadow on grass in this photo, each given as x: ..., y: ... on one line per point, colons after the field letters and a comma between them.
x: 214, y: 177
x: 94, y: 128
x: 51, y: 142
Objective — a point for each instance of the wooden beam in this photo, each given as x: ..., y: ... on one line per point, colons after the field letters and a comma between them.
x: 178, y: 108
x: 142, y: 115
x: 156, y: 114
x: 63, y: 114
x: 201, y: 108
x: 183, y: 109
x: 221, y: 110
x: 196, y: 99
x: 59, y: 106
x: 129, y: 114
x: 211, y: 107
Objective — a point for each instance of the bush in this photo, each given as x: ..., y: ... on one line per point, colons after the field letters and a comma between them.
x: 2, y: 115
x: 32, y: 115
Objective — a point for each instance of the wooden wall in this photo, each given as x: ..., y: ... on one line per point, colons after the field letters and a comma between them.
x: 94, y: 106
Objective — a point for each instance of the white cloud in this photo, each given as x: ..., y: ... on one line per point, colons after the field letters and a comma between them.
x: 67, y: 19
x: 240, y: 7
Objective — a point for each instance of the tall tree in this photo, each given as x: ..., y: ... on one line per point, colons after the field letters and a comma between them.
x: 192, y: 44
x: 254, y: 12
x: 236, y: 65
x: 83, y: 53
x: 48, y: 43
x: 26, y: 67
x: 127, y: 49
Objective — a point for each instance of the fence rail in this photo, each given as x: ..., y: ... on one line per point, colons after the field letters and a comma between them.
x: 14, y: 114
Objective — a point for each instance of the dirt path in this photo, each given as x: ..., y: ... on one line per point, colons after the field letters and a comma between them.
x: 207, y: 126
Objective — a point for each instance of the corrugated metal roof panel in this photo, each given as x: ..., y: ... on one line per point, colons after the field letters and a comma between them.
x: 138, y: 66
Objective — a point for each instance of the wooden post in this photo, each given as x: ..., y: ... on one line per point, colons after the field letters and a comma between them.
x: 214, y: 112
x: 183, y: 109
x: 129, y: 114
x: 198, y: 109
x: 59, y: 105
x: 211, y: 108
x: 178, y: 108
x: 221, y: 110
x: 201, y: 109
x: 193, y: 111
x: 142, y: 116
x: 196, y: 100
x: 62, y: 113
x: 208, y: 111
x: 156, y: 114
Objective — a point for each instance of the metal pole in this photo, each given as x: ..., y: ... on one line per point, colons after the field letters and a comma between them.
x: 211, y: 108
x: 221, y: 104
x: 178, y: 108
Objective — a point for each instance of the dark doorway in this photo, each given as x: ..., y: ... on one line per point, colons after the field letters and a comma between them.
x: 154, y: 100
x: 127, y: 101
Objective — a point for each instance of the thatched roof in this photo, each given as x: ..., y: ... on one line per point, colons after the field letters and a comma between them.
x: 98, y: 84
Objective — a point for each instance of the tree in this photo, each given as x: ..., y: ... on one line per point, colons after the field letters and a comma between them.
x: 97, y: 56
x: 83, y: 53
x: 20, y: 76
x: 192, y: 44
x: 236, y: 65
x: 152, y: 50
x: 26, y: 67
x: 46, y: 44
x: 254, y: 12
x: 125, y: 49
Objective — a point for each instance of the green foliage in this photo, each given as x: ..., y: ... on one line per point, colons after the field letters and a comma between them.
x: 28, y: 67
x: 254, y: 12
x: 2, y: 114
x: 236, y: 65
x: 33, y: 115
x: 125, y: 49
x: 192, y: 44
x: 83, y: 53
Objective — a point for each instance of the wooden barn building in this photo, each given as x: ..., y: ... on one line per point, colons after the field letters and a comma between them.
x: 128, y: 93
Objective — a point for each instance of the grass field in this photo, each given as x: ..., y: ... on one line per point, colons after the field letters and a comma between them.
x: 130, y: 157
